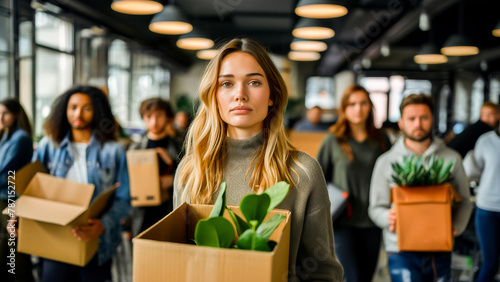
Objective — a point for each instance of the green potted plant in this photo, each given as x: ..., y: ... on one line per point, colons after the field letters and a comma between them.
x: 253, y: 232
x: 423, y: 198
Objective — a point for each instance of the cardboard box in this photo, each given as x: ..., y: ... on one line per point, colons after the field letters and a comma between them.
x: 164, y: 253
x: 49, y: 208
x: 144, y: 178
x: 423, y: 217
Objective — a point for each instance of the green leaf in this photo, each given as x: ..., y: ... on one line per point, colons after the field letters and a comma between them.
x: 250, y: 240
x: 214, y: 232
x: 255, y: 207
x: 277, y: 193
x: 431, y: 161
x: 241, y: 225
x: 267, y: 228
x: 220, y: 204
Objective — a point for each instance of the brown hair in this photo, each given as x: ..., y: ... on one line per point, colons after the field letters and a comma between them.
x: 152, y: 104
x: 21, y: 119
x: 417, y: 99
x: 341, y: 128
x: 490, y: 105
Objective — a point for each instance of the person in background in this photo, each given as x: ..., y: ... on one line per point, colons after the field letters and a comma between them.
x: 312, y: 122
x: 80, y: 145
x: 465, y: 141
x: 486, y: 161
x: 347, y: 156
x: 16, y: 150
x: 238, y: 137
x: 416, y: 126
x: 157, y: 116
x: 181, y: 123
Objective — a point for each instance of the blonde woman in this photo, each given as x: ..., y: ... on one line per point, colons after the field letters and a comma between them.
x: 347, y: 156
x: 238, y: 137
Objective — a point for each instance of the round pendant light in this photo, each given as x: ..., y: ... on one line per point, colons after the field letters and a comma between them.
x: 207, y: 54
x: 313, y: 29
x: 429, y: 54
x: 299, y: 44
x: 137, y: 7
x: 496, y: 30
x: 170, y: 21
x: 320, y: 9
x: 303, y: 56
x: 195, y: 40
x: 459, y: 45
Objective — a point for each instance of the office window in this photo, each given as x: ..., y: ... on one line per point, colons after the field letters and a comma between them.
x: 149, y: 79
x: 54, y: 64
x: 320, y: 91
x: 476, y: 100
x: 495, y: 89
x: 54, y: 75
x: 378, y: 87
x: 397, y: 85
x: 5, y: 33
x: 5, y: 51
x: 53, y: 32
x: 443, y: 109
x: 118, y: 79
x: 4, y: 77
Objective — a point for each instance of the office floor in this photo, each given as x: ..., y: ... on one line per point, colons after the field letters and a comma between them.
x: 462, y: 266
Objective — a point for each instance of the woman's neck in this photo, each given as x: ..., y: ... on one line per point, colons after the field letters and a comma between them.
x: 359, y: 132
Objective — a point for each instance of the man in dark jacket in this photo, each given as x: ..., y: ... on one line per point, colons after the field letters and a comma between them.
x: 465, y: 141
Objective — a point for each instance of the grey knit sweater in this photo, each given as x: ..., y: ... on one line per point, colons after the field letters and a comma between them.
x: 312, y: 255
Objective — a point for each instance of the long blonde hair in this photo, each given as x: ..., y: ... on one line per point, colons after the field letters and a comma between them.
x: 204, y: 161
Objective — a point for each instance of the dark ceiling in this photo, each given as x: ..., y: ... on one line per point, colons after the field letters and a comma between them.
x: 359, y: 34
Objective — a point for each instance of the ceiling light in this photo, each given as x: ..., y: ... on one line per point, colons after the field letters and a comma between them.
x: 496, y: 30
x: 195, y: 40
x: 459, y: 45
x: 385, y: 49
x: 299, y: 44
x: 137, y: 7
x: 320, y: 9
x: 170, y: 21
x: 313, y: 29
x: 429, y: 54
x: 424, y: 22
x: 206, y: 54
x: 303, y: 56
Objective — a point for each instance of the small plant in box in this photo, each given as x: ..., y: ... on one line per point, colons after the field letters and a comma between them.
x: 422, y: 200
x: 253, y: 231
x: 414, y: 173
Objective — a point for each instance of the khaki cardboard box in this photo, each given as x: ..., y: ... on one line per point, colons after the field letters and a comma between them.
x: 165, y: 252
x: 144, y: 179
x: 49, y: 208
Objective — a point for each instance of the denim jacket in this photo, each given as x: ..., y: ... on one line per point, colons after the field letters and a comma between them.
x: 106, y: 165
x: 16, y: 150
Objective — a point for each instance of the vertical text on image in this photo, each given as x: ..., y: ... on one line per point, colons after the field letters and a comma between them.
x: 11, y: 222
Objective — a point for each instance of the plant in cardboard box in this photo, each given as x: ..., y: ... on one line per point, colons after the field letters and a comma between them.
x: 253, y: 231
x: 414, y: 173
x: 422, y: 199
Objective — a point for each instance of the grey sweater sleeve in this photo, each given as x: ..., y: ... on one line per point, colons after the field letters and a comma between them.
x: 463, y: 209
x: 324, y: 157
x: 380, y: 194
x: 316, y: 241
